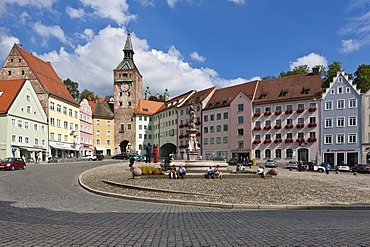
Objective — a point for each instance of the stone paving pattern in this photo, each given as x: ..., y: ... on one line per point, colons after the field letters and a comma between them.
x: 288, y: 188
x: 44, y: 206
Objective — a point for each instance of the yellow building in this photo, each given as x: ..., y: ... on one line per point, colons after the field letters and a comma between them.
x: 103, y: 127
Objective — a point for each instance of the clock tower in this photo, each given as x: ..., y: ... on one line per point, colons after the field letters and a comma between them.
x: 127, y: 93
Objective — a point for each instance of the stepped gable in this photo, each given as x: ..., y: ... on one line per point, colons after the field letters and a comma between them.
x: 176, y: 101
x: 9, y: 90
x: 288, y: 88
x: 148, y: 107
x: 224, y: 96
x: 199, y: 96
x: 46, y: 75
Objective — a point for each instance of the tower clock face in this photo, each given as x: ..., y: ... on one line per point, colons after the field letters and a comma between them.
x: 125, y: 87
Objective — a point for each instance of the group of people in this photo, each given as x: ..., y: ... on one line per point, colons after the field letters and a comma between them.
x: 214, y: 172
x: 240, y: 168
x: 177, y: 172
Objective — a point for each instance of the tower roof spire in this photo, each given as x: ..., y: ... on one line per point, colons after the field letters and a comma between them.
x: 128, y: 44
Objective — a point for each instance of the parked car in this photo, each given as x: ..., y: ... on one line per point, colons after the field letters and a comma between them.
x: 270, y: 163
x: 343, y: 168
x: 292, y: 164
x: 232, y: 162
x: 89, y: 157
x: 12, y: 164
x: 319, y: 168
x: 122, y: 156
x: 99, y: 156
x: 361, y: 168
x: 247, y: 162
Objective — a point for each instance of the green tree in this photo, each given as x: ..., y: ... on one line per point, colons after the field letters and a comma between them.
x: 362, y: 77
x: 72, y: 88
x: 89, y: 95
x: 302, y: 69
x: 330, y: 73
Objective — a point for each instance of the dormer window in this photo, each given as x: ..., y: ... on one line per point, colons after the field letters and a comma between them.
x: 305, y: 91
x: 1, y: 93
x: 145, y: 109
x: 263, y: 95
x: 283, y: 93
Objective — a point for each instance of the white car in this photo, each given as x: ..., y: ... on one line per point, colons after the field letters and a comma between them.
x: 343, y: 168
x: 318, y: 168
x: 292, y: 164
x: 270, y: 163
x: 89, y: 157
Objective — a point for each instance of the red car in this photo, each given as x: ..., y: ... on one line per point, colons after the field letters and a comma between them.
x: 12, y: 164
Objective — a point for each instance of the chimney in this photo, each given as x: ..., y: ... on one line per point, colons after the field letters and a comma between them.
x: 315, y: 71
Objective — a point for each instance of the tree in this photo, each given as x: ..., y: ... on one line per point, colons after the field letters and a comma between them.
x: 302, y: 69
x: 362, y: 77
x: 331, y: 73
x: 89, y: 95
x: 72, y: 88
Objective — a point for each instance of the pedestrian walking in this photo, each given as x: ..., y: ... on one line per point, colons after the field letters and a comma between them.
x: 327, y: 168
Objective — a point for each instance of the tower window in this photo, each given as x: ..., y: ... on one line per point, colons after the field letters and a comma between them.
x: 9, y: 72
x: 120, y: 103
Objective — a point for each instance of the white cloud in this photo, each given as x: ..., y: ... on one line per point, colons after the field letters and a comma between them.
x: 350, y: 45
x: 238, y: 2
x: 75, y: 13
x: 92, y: 65
x: 115, y: 10
x: 311, y: 60
x: 194, y: 55
x: 6, y: 43
x: 146, y: 2
x: 35, y: 3
x: 51, y: 31
x: 171, y: 3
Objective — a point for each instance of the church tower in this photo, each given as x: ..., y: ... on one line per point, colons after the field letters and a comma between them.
x: 127, y: 93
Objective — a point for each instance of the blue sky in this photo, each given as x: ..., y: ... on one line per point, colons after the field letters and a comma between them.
x: 187, y: 44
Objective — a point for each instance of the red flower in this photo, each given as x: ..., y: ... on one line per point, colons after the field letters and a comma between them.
x: 312, y: 109
x: 288, y: 111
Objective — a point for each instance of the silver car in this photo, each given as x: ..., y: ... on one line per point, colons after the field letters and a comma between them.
x: 270, y: 163
x: 292, y: 165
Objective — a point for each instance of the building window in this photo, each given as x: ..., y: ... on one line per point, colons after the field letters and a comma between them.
x: 52, y: 136
x: 65, y: 125
x: 352, y: 121
x: 240, y: 132
x: 97, y: 141
x: 257, y: 110
x: 70, y: 112
x: 289, y: 107
x: 278, y: 153
x: 108, y: 133
x: 35, y: 127
x: 212, y: 129
x: 14, y: 138
x: 340, y: 104
x: 58, y: 123
x: 289, y: 153
x: 226, y: 127
x: 108, y: 142
x: 140, y: 136
x: 59, y: 137
x: 267, y: 154
x: 240, y: 119
x: 20, y: 124
x: 352, y: 138
x: 205, y: 118
x: 226, y: 115
x: 27, y: 140
x: 29, y: 109
x: 340, y: 138
x: 278, y: 108
x: 340, y: 122
x: 212, y: 140
x: 108, y: 123
x: 13, y: 122
x: 240, y: 144
x: 240, y: 107
x: 257, y: 154
x: 20, y: 139
x: 218, y: 116
x: 218, y: 128
x: 218, y: 140
x: 205, y: 129
x: 352, y: 103
x: 66, y: 138
x: 300, y: 106
x: 212, y: 117
x: 59, y: 108
x: 329, y: 105
x: 225, y: 140
x: 205, y: 141
x: 328, y: 122
x: 98, y: 132
x: 26, y: 125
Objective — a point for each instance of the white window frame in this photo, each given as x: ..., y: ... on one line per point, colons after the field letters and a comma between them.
x: 340, y: 103
x: 339, y: 120
x: 350, y: 118
x: 339, y: 90
x: 350, y: 101
x: 338, y: 136
x: 350, y: 136
x: 325, y: 122
x: 326, y: 105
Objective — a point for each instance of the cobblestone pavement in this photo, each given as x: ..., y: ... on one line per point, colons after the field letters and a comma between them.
x: 44, y: 206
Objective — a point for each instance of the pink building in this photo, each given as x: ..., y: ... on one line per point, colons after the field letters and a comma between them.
x: 86, y: 130
x: 226, y: 123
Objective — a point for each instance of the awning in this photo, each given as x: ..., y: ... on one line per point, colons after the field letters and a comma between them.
x: 64, y: 148
x: 100, y: 148
x: 31, y: 149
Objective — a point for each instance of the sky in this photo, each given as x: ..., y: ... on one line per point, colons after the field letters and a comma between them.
x: 183, y: 45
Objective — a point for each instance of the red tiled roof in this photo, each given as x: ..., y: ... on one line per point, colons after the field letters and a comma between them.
x: 175, y: 101
x: 199, y: 96
x: 148, y: 107
x: 225, y: 96
x: 46, y: 75
x: 9, y: 90
x: 92, y: 104
x: 288, y: 88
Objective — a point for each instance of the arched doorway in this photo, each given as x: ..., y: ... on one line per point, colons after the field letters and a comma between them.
x: 123, y: 146
x: 167, y: 149
x: 303, y: 154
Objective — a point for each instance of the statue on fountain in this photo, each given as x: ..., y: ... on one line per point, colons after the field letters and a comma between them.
x: 193, y: 146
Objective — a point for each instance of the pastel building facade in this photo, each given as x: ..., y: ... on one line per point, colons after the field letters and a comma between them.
x: 286, y: 119
x: 341, y: 119
x: 23, y: 122
x: 86, y: 128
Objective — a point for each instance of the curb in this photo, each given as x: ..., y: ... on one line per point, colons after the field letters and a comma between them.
x: 225, y: 205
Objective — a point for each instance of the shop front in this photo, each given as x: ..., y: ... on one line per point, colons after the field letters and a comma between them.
x: 63, y: 150
x: 342, y: 156
x: 30, y: 154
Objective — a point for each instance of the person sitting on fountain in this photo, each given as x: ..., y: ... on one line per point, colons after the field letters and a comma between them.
x: 172, y: 174
x: 181, y: 172
x: 218, y: 172
x: 211, y: 172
